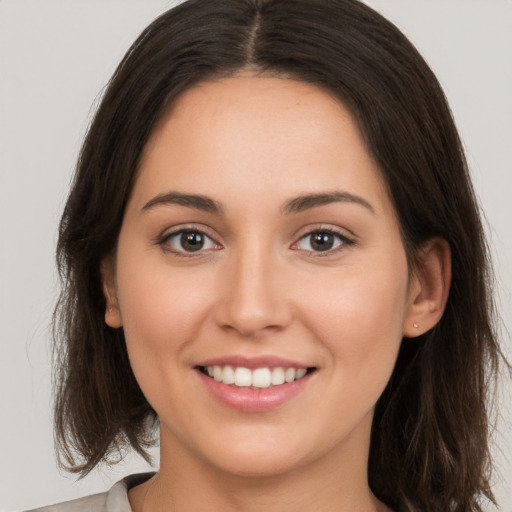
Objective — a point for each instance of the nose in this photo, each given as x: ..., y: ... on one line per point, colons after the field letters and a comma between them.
x: 255, y: 294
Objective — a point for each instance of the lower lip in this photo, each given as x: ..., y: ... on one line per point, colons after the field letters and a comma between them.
x: 254, y: 400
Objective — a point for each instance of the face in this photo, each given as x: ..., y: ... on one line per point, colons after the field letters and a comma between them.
x: 260, y: 278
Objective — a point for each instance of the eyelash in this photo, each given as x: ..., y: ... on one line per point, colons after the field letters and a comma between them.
x: 163, y: 242
x: 343, y: 241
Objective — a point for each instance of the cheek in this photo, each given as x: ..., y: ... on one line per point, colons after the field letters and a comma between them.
x: 161, y: 308
x: 359, y: 318
x: 162, y: 315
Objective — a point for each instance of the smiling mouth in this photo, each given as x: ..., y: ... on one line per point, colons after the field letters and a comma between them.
x: 259, y: 378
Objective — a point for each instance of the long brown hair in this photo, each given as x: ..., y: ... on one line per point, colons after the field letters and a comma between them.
x: 429, y: 446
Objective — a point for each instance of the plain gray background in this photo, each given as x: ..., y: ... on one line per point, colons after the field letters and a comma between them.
x: 55, y: 58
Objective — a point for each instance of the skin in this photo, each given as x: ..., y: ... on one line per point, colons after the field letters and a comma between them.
x: 252, y: 144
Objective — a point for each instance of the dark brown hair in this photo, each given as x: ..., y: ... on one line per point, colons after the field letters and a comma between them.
x: 429, y: 446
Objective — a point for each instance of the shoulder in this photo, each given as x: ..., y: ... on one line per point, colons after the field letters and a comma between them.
x: 114, y: 500
x: 93, y: 503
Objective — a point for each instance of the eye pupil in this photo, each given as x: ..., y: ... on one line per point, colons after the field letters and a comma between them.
x: 322, y: 241
x: 192, y: 241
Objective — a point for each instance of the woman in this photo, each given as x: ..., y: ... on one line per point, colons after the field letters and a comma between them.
x: 264, y: 254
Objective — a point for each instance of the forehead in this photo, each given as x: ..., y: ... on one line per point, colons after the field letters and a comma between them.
x: 257, y: 135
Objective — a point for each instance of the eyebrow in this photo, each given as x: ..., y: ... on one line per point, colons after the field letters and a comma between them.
x: 308, y: 201
x: 199, y: 202
x: 295, y: 205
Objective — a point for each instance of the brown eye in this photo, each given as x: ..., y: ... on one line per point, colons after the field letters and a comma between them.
x: 192, y: 241
x: 188, y: 241
x: 322, y: 241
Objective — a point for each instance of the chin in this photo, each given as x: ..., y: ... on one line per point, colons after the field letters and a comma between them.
x: 260, y: 458
x: 260, y: 465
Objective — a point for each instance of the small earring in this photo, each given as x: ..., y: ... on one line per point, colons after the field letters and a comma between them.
x: 110, y: 309
x: 415, y: 325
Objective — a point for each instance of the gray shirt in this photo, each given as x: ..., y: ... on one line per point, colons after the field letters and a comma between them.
x: 114, y: 500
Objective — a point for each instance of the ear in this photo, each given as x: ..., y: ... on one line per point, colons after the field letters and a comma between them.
x: 428, y: 288
x: 108, y: 278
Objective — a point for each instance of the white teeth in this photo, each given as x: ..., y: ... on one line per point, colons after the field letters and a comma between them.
x: 217, y: 373
x: 259, y: 378
x: 243, y: 377
x: 228, y: 375
x: 277, y: 376
x: 300, y: 373
x: 289, y: 374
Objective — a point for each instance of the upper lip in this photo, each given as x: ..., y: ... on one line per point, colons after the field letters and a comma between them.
x: 264, y: 361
